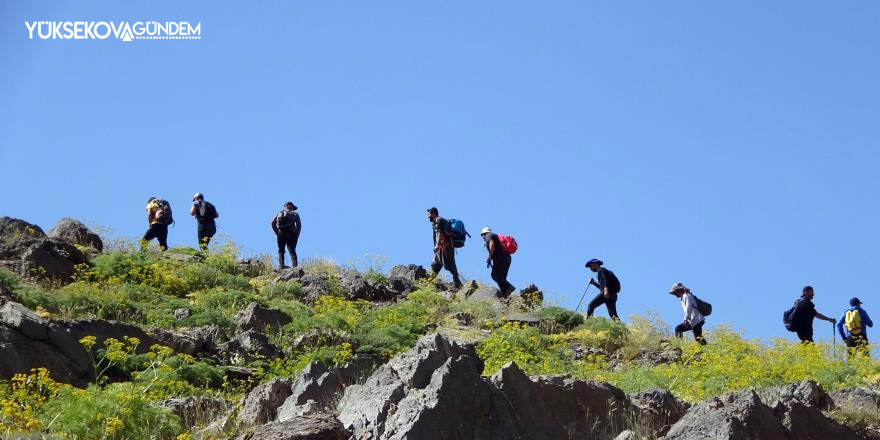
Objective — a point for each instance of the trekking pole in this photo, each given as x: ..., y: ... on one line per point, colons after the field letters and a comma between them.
x: 582, y: 298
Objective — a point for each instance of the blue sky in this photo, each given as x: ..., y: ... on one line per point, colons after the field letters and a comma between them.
x: 732, y: 147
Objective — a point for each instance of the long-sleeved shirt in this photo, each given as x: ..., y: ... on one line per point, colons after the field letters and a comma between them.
x: 866, y: 322
x: 691, y: 313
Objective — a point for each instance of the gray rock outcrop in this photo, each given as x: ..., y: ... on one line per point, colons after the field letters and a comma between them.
x: 261, y: 405
x: 307, y: 427
x: 26, y: 250
x: 74, y: 232
x: 259, y: 318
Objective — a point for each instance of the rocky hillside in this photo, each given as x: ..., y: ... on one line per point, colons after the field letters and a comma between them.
x: 110, y: 342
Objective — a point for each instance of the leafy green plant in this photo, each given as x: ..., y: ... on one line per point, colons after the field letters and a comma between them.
x: 556, y: 319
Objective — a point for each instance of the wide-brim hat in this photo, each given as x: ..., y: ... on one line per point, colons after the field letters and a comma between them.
x: 486, y: 230
x: 198, y: 196
x: 594, y: 260
x: 676, y: 287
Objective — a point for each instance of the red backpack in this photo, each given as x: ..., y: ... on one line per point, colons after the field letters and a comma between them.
x: 508, y: 244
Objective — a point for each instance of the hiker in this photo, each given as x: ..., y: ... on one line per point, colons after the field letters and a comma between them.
x: 287, y: 227
x: 499, y: 260
x: 159, y: 217
x: 804, y: 312
x: 693, y: 318
x: 444, y: 249
x: 852, y: 326
x: 205, y: 214
x: 609, y: 287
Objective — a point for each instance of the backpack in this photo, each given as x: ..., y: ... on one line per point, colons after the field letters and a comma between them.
x: 612, y: 282
x: 853, y: 321
x: 704, y: 307
x: 508, y: 244
x: 163, y: 212
x: 284, y: 219
x: 210, y: 211
x: 458, y: 232
x: 788, y: 318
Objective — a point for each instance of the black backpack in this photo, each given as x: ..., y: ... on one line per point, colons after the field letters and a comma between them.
x: 788, y: 317
x: 612, y: 282
x: 284, y: 219
x: 704, y: 307
x: 163, y: 212
x: 210, y: 212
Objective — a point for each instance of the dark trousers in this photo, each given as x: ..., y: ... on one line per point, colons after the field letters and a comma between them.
x: 446, y: 259
x: 287, y: 238
x: 858, y: 343
x: 205, y: 232
x: 500, y: 267
x: 610, y: 303
x: 159, y: 231
x: 697, y: 329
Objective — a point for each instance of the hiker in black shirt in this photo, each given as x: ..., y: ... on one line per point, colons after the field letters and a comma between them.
x: 444, y: 250
x: 287, y: 227
x: 804, y: 313
x: 498, y: 260
x: 205, y: 214
x: 609, y: 287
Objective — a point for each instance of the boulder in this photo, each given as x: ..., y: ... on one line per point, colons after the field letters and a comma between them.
x: 318, y: 388
x: 194, y: 411
x: 22, y: 319
x: 806, y: 392
x: 658, y: 410
x: 32, y: 254
x: 399, y: 287
x: 525, y: 318
x: 290, y: 274
x: 261, y: 405
x: 74, y: 232
x: 248, y: 346
x: 737, y: 416
x: 314, y: 285
x: 198, y: 341
x: 307, y: 427
x: 259, y: 318
x: 411, y: 273
x: 11, y: 229
x: 552, y: 407
x: 802, y: 422
x: 857, y: 398
x: 356, y: 286
x: 658, y: 356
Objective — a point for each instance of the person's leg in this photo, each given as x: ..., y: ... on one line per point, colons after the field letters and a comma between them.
x: 163, y: 237
x: 291, y: 246
x: 500, y: 269
x: 698, y: 333
x: 281, y: 243
x: 806, y: 336
x: 680, y: 329
x: 202, y: 234
x: 596, y: 302
x: 437, y: 263
x: 449, y: 263
x: 611, y: 304
x: 148, y: 236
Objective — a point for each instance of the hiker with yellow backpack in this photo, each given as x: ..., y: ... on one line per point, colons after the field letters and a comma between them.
x: 852, y: 326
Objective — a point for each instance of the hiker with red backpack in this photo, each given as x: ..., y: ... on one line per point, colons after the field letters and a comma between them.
x: 159, y: 216
x: 205, y: 214
x: 695, y: 312
x: 287, y: 226
x: 853, y: 326
x: 500, y: 248
x: 447, y: 237
x: 609, y: 287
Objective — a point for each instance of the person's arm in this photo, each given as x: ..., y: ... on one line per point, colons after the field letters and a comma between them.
x: 687, y: 308
x: 821, y: 316
x: 297, y: 224
x: 274, y: 226
x: 866, y: 320
x: 605, y: 292
x: 840, y: 326
x: 193, y: 210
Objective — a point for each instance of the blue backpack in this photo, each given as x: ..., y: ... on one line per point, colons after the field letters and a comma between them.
x: 459, y: 233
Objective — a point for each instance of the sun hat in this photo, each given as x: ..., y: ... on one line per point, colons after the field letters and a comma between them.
x: 676, y: 287
x: 486, y: 230
x: 198, y: 196
x: 594, y: 260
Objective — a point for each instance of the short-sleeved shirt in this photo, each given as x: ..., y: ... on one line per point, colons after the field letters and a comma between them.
x: 804, y: 313
x: 440, y: 226
x: 607, y: 278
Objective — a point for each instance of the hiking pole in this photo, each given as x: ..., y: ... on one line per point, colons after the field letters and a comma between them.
x: 582, y: 298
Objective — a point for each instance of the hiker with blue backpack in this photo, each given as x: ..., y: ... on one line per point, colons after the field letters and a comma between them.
x: 609, y: 287
x: 695, y: 312
x: 500, y: 248
x: 853, y: 326
x: 448, y: 235
x: 159, y: 217
x: 799, y: 318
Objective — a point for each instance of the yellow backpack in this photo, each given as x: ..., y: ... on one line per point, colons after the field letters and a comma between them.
x: 853, y: 322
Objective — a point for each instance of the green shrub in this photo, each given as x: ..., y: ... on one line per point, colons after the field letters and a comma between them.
x: 533, y: 352
x: 556, y: 319
x: 8, y: 280
x: 283, y: 290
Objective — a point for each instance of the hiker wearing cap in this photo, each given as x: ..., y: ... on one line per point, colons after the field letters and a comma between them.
x: 804, y: 313
x: 159, y: 217
x: 499, y: 260
x: 287, y: 227
x: 609, y: 287
x: 444, y: 248
x: 853, y: 326
x: 693, y: 318
x: 205, y: 214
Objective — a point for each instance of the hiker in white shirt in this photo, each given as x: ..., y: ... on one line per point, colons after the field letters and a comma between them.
x: 693, y: 319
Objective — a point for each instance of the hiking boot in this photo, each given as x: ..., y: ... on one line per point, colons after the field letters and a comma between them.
x: 456, y: 283
x: 281, y: 262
